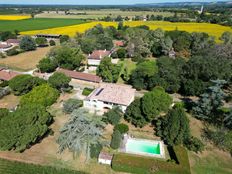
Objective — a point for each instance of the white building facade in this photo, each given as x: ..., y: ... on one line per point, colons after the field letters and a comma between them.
x: 109, y: 95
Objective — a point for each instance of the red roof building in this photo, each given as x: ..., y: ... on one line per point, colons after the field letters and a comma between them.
x: 7, y: 75
x: 81, y: 76
x: 13, y: 41
x: 99, y: 54
x: 119, y: 43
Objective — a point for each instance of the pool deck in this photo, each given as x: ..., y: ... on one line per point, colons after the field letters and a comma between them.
x: 127, y: 137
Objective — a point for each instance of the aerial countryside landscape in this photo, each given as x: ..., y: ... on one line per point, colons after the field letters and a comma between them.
x: 116, y: 87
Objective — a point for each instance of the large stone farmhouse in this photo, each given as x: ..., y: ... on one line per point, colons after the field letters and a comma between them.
x: 97, y: 55
x: 109, y: 95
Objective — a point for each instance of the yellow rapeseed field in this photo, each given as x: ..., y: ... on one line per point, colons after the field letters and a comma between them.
x: 212, y: 29
x: 13, y: 17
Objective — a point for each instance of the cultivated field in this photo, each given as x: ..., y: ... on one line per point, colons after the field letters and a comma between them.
x: 25, y: 61
x: 96, y: 14
x: 36, y: 24
x: 14, y: 17
x: 212, y: 29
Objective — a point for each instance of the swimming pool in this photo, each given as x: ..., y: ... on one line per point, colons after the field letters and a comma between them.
x: 144, y: 147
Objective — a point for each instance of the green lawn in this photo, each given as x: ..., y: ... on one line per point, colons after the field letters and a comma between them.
x: 130, y: 65
x: 36, y: 24
x: 213, y: 163
x: 9, y: 167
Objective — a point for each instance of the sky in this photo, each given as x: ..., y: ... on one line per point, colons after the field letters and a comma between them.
x: 94, y: 2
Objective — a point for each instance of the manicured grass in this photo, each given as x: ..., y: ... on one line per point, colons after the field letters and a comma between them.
x: 87, y: 91
x: 145, y: 165
x: 10, y: 167
x: 36, y: 24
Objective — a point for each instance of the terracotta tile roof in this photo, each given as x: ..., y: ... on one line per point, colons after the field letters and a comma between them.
x: 7, y: 75
x: 12, y: 41
x: 113, y: 93
x: 4, y: 46
x: 81, y: 76
x: 99, y: 54
x: 105, y: 156
x: 119, y: 43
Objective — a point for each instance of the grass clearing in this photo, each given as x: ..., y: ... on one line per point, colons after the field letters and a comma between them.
x: 212, y: 29
x: 36, y: 24
x: 25, y: 61
x: 212, y: 161
x: 9, y: 101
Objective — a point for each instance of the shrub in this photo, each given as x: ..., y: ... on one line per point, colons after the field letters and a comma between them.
x: 116, y: 140
x: 4, y: 91
x: 23, y: 84
x: 52, y: 43
x: 194, y: 144
x: 12, y: 52
x: 2, y: 55
x: 64, y: 38
x: 27, y: 43
x: 95, y: 150
x: 122, y: 128
x: 47, y: 65
x: 121, y: 52
x: 87, y: 91
x: 4, y: 84
x: 113, y: 116
x: 41, y: 95
x: 41, y: 41
x: 59, y: 81
x: 71, y: 104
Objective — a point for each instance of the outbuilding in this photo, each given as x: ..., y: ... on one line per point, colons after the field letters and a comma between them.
x: 105, y: 158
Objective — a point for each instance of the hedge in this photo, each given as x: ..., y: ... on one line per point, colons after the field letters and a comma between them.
x: 146, y: 165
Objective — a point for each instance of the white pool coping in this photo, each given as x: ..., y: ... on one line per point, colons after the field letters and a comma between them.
x: 161, y: 145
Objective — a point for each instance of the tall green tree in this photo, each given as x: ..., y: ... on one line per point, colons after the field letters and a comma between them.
x: 27, y: 43
x: 175, y: 127
x: 134, y: 114
x: 59, y: 81
x: 207, y: 107
x: 23, y: 84
x: 144, y: 71
x: 81, y: 132
x: 155, y: 102
x: 108, y: 71
x: 24, y: 127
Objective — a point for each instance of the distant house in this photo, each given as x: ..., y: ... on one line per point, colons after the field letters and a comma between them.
x: 97, y: 55
x: 105, y: 158
x: 4, y: 47
x: 13, y: 42
x: 6, y: 75
x: 109, y: 95
x: 81, y: 76
x: 172, y: 53
x: 49, y: 36
x: 118, y: 43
